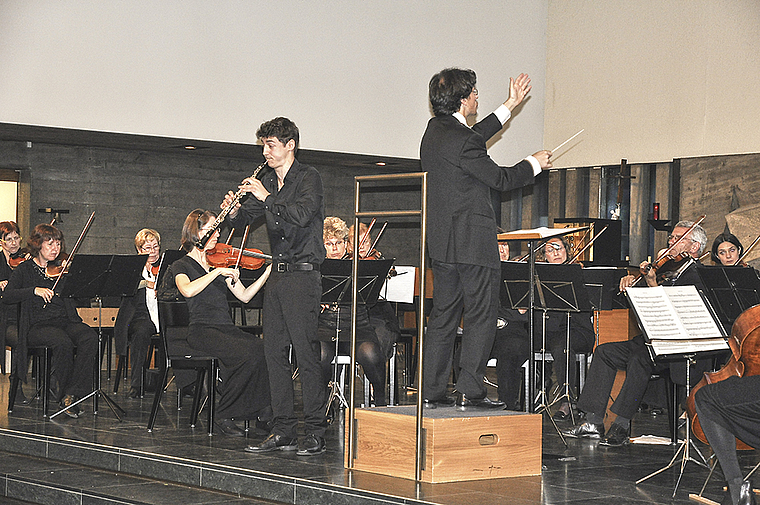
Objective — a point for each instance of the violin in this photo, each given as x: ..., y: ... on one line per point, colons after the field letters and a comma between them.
x: 18, y: 258
x: 55, y: 268
x: 224, y: 255
x: 744, y: 362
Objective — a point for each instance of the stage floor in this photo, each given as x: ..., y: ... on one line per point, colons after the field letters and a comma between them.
x: 176, y: 453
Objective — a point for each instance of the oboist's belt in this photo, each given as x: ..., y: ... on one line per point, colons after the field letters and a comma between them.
x: 295, y: 267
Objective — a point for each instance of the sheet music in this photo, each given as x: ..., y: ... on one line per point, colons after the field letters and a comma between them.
x: 400, y: 288
x: 676, y: 320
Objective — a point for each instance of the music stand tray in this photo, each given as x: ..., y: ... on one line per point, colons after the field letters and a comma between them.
x: 97, y: 276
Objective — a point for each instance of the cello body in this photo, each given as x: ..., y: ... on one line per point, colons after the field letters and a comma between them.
x: 744, y: 362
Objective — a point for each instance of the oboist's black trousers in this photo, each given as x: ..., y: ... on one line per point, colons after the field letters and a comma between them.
x: 291, y: 309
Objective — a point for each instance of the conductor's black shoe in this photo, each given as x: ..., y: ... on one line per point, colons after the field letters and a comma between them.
x: 562, y: 413
x: 585, y: 430
x: 463, y: 402
x: 274, y: 443
x: 312, y: 445
x: 229, y: 428
x: 443, y: 401
x: 616, y: 436
x: 133, y: 393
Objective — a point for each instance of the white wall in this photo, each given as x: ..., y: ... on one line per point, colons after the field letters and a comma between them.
x: 352, y: 74
x: 653, y: 80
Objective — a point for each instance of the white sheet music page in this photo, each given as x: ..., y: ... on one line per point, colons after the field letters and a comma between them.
x: 692, y: 311
x: 656, y: 313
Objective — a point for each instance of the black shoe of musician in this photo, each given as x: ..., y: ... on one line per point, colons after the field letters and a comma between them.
x: 21, y: 398
x: 133, y: 392
x: 229, y: 428
x: 617, y: 436
x: 274, y: 443
x: 746, y: 495
x: 312, y: 445
x: 563, y: 412
x: 463, y: 403
x: 443, y: 401
x: 70, y: 411
x: 585, y: 430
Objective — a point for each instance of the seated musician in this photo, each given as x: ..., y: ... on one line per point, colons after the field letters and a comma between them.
x: 382, y: 316
x: 46, y: 319
x: 728, y: 410
x: 368, y: 352
x: 243, y: 373
x: 633, y: 356
x: 13, y: 255
x: 138, y: 315
x: 555, y: 250
x: 510, y: 347
x: 726, y: 250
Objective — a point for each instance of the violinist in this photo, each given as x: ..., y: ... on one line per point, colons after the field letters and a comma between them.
x: 12, y: 256
x: 138, y: 315
x: 555, y: 250
x: 242, y: 371
x: 46, y: 319
x: 726, y: 250
x: 338, y: 319
x: 633, y: 356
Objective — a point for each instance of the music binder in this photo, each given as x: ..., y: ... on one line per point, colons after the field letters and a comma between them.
x: 675, y: 320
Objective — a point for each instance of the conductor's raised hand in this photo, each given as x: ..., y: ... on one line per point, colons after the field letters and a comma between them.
x: 544, y: 159
x: 518, y: 90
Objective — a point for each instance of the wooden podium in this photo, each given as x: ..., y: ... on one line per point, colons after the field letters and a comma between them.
x: 457, y: 446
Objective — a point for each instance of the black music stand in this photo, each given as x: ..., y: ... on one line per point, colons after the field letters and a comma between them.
x: 731, y: 290
x: 336, y: 291
x: 97, y: 276
x: 558, y: 288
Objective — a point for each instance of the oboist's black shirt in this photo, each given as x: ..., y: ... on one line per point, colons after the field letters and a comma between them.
x: 294, y: 214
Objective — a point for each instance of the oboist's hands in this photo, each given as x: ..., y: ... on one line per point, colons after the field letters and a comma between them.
x: 249, y: 185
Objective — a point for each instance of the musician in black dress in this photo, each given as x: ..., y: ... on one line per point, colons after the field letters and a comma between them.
x: 244, y: 389
x: 337, y: 321
x: 46, y: 319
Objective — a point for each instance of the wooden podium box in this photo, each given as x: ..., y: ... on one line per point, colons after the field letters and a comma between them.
x: 457, y: 445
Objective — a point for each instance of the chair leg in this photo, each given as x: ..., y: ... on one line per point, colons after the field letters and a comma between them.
x: 197, y: 398
x: 157, y: 397
x: 212, y: 375
x: 44, y: 372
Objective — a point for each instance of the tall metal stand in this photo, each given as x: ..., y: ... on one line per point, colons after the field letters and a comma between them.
x: 686, y: 445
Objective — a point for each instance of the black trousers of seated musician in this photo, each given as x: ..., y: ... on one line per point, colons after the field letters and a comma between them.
x: 139, y: 334
x: 290, y: 311
x: 633, y: 357
x: 73, y: 371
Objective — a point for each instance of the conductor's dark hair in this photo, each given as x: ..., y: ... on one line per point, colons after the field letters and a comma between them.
x: 281, y: 128
x: 724, y: 237
x: 448, y: 87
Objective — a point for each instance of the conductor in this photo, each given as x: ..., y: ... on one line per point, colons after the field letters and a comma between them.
x: 461, y: 236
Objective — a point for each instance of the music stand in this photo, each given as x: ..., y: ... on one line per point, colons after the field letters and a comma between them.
x: 336, y: 291
x: 97, y: 276
x: 558, y: 288
x: 731, y: 290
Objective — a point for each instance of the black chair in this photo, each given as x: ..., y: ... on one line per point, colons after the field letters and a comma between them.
x: 42, y: 356
x: 174, y: 315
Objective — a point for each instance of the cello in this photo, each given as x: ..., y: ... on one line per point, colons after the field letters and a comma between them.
x: 744, y: 361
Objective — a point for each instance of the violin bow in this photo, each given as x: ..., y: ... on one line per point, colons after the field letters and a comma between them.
x: 366, y: 234
x: 73, y: 251
x: 747, y: 250
x: 380, y: 234
x: 584, y: 248
x: 242, y: 248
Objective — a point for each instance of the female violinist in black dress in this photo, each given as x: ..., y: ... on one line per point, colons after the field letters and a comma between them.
x: 243, y: 372
x: 46, y: 319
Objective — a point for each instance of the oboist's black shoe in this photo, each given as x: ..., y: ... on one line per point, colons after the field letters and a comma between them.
x: 312, y: 445
x: 616, y: 436
x: 443, y: 401
x: 274, y: 443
